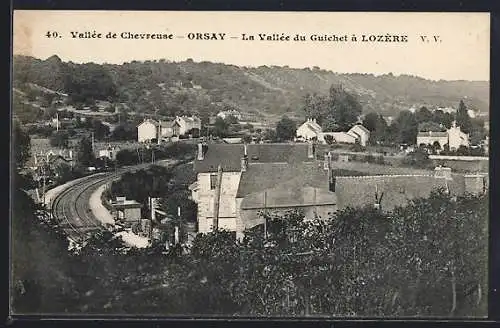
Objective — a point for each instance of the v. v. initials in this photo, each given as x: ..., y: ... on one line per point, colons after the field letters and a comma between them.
x: 434, y: 38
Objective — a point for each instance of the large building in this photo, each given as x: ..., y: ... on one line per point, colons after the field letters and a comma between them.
x: 310, y: 130
x: 453, y: 137
x: 236, y: 183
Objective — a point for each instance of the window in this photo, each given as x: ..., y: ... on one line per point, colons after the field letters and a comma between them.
x: 213, y: 181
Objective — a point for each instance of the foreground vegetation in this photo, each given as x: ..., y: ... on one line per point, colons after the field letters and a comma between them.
x: 426, y: 259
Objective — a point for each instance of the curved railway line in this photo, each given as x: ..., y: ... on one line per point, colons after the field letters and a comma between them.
x: 71, y: 208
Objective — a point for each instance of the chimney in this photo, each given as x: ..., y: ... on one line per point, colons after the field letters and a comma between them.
x: 200, y: 151
x: 310, y: 150
x: 244, y: 159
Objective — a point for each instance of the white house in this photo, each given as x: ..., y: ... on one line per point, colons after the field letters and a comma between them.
x: 310, y: 129
x: 108, y: 152
x: 147, y: 130
x: 225, y: 114
x: 453, y: 137
x: 457, y: 138
x: 361, y: 134
x: 185, y: 123
x: 151, y: 129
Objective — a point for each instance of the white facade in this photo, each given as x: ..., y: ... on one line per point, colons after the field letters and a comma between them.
x: 147, y: 130
x: 457, y: 138
x: 186, y: 123
x: 309, y: 130
x: 205, y: 197
x: 454, y: 137
x: 360, y: 132
x: 225, y: 114
x: 338, y: 137
x: 431, y: 137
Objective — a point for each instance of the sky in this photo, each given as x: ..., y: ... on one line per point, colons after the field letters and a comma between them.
x: 461, y: 52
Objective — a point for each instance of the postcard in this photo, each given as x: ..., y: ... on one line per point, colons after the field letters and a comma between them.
x: 250, y: 164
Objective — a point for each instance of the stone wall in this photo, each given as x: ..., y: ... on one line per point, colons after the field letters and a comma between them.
x: 397, y: 189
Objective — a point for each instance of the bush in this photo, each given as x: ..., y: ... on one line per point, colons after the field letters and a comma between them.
x: 418, y: 158
x: 357, y: 148
x: 370, y: 158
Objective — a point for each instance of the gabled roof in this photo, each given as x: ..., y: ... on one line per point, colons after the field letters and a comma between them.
x: 259, y: 177
x: 360, y: 127
x: 229, y: 155
x: 312, y: 126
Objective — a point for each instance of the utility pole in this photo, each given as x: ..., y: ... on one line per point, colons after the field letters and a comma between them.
x: 177, y: 226
x: 265, y: 214
x: 93, y: 141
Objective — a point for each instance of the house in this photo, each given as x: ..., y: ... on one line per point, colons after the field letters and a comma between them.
x: 184, y: 124
x: 108, y: 152
x: 127, y: 211
x: 309, y: 130
x: 150, y: 129
x: 225, y: 114
x: 236, y: 182
x: 147, y: 130
x: 453, y: 137
x: 361, y: 134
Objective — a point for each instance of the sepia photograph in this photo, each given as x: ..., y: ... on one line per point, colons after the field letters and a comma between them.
x: 250, y: 164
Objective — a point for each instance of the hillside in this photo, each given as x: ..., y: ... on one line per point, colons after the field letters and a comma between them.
x: 265, y: 92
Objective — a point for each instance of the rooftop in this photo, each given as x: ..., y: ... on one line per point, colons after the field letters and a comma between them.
x: 229, y: 155
x: 261, y: 176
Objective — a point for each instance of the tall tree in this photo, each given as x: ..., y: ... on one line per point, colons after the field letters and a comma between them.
x: 221, y: 128
x: 463, y: 118
x: 21, y: 145
x: 286, y: 129
x: 336, y: 112
x: 85, y: 154
x: 423, y: 115
x: 407, y: 126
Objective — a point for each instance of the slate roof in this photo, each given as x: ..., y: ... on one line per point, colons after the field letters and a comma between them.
x: 259, y: 177
x: 229, y: 155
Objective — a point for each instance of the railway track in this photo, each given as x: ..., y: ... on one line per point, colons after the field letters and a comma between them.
x: 71, y: 207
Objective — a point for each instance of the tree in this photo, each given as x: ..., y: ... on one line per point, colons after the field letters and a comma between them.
x: 423, y: 115
x: 407, y: 127
x: 329, y: 139
x: 418, y: 158
x: 246, y: 138
x: 336, y: 112
x: 430, y: 126
x: 370, y: 121
x: 101, y: 131
x: 286, y: 129
x: 221, y: 128
x: 85, y: 155
x: 124, y: 131
x: 21, y: 145
x: 462, y: 118
x: 59, y: 139
x: 377, y: 126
